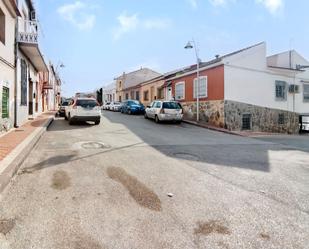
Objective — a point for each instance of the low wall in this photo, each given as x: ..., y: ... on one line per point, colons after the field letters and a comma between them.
x: 262, y: 119
x: 211, y: 112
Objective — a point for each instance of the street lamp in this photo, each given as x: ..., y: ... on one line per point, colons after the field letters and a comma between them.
x: 190, y: 45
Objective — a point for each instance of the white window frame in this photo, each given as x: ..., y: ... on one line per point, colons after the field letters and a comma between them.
x: 205, y: 95
x: 184, y: 90
x: 305, y: 93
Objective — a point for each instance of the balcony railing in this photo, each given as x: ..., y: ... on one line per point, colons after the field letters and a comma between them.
x: 27, y: 31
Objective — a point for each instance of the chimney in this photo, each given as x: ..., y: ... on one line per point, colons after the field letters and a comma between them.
x: 217, y: 56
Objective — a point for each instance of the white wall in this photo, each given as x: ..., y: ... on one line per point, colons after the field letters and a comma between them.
x: 247, y: 83
x: 7, y: 71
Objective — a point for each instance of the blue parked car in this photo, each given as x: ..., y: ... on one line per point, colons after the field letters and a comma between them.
x: 132, y: 107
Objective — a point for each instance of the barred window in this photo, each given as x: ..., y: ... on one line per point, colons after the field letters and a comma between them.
x: 281, y: 118
x: 281, y: 90
x: 246, y: 121
x: 306, y: 92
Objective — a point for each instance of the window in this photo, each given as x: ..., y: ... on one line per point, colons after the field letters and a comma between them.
x: 127, y: 96
x: 160, y: 93
x: 246, y: 122
x: 180, y: 91
x: 158, y: 105
x: 146, y: 95
x: 5, y: 102
x: 23, y: 97
x: 137, y: 95
x: 132, y: 94
x: 171, y: 105
x: 281, y: 90
x: 119, y: 98
x: 281, y: 119
x: 306, y: 92
x: 86, y: 103
x: 2, y: 27
x: 202, y: 89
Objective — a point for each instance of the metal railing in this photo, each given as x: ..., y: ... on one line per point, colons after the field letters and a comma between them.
x: 27, y: 31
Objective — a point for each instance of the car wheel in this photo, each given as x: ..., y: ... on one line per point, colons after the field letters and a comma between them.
x: 65, y: 117
x: 97, y: 122
x: 157, y: 120
x: 70, y: 120
x: 145, y: 115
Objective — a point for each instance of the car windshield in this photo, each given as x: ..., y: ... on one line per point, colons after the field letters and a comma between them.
x: 86, y: 102
x: 65, y: 104
x: 171, y: 105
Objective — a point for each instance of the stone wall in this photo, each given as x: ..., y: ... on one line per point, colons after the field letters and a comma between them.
x: 262, y: 118
x: 211, y: 112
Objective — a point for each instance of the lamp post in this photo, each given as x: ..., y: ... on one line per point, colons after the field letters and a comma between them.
x: 190, y: 45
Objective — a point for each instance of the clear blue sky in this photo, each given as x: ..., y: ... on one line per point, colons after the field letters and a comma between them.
x: 99, y: 39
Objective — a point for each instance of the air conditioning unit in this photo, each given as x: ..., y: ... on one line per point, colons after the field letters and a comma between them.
x: 294, y: 88
x: 33, y: 16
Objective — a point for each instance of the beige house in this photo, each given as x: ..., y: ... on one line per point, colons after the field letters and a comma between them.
x: 8, y: 14
x: 152, y: 90
x: 128, y: 84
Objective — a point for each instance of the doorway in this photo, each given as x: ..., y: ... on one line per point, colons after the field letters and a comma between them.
x: 30, y: 97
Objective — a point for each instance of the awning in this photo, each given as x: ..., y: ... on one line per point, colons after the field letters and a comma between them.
x: 33, y: 53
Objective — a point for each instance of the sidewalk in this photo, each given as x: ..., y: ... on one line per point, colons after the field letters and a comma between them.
x: 237, y: 133
x: 16, y: 144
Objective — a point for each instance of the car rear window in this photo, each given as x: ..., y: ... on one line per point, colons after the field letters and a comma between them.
x: 86, y: 103
x: 134, y: 102
x: 171, y: 105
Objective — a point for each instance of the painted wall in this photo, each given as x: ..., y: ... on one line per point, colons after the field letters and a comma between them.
x: 215, y: 84
x: 153, y: 86
x: 7, y: 57
x: 249, y: 80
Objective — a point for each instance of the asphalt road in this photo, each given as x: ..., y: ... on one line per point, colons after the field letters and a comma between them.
x: 131, y: 183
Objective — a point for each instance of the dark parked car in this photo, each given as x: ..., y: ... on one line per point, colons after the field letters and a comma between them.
x: 132, y: 107
x: 62, y: 108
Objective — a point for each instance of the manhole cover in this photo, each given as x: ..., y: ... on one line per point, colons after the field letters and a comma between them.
x: 186, y: 156
x: 93, y: 145
x: 90, y: 145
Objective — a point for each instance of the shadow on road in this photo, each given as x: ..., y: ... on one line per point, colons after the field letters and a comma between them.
x: 60, y: 124
x: 57, y: 160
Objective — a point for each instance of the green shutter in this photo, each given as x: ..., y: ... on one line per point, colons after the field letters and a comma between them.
x: 5, y: 102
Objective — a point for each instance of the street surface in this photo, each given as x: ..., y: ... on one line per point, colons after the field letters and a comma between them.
x: 131, y: 183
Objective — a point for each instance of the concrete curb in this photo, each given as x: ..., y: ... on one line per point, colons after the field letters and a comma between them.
x: 12, y: 162
x: 213, y: 128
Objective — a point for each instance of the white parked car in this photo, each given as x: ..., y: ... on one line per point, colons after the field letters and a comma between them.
x: 115, y: 106
x: 83, y: 109
x: 164, y: 111
x: 106, y: 106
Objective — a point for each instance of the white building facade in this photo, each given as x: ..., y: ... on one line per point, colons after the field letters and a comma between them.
x: 266, y: 93
x: 109, y: 92
x: 8, y: 15
x: 29, y: 62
